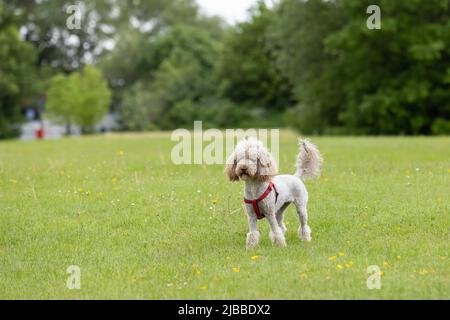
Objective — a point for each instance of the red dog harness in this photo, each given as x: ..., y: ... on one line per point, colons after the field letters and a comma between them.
x: 254, y: 203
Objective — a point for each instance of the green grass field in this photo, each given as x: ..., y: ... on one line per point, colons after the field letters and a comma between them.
x: 140, y: 227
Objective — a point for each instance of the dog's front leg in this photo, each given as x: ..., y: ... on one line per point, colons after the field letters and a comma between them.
x: 276, y: 233
x: 253, y: 233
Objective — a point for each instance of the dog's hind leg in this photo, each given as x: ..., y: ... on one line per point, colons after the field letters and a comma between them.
x: 304, y: 231
x: 276, y: 234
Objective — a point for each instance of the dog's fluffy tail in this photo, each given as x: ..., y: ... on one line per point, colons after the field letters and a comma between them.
x: 309, y: 160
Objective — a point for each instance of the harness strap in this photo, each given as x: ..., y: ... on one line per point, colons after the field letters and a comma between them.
x: 254, y: 203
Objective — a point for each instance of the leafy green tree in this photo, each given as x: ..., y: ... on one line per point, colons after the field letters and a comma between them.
x: 16, y: 70
x: 60, y: 101
x: 179, y: 66
x: 297, y: 39
x: 138, y: 111
x: 139, y: 51
x: 348, y: 78
x: 123, y: 66
x: 82, y: 98
x: 93, y: 95
x: 185, y: 73
x: 44, y: 24
x: 247, y: 67
x: 394, y: 80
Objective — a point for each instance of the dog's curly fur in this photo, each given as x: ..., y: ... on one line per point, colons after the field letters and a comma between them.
x: 253, y: 163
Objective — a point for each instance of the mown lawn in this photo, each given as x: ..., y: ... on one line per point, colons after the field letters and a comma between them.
x: 140, y: 227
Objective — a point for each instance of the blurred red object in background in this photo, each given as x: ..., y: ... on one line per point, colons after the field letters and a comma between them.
x: 39, y: 134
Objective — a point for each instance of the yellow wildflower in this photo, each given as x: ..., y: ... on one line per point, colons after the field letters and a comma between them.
x: 422, y: 272
x: 339, y: 266
x: 254, y: 258
x: 341, y: 254
x: 235, y: 270
x: 332, y: 258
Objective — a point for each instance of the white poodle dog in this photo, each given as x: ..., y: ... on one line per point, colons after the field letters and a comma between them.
x: 267, y: 194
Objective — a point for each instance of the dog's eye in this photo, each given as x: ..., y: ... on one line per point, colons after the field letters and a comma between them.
x: 235, y: 162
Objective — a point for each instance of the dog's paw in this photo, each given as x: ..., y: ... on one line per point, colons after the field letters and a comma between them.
x: 252, y: 240
x: 305, y: 233
x: 280, y: 241
x: 277, y: 239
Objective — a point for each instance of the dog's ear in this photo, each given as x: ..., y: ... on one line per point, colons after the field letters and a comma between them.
x: 230, y: 168
x: 266, y: 166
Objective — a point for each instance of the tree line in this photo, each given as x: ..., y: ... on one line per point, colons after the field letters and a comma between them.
x: 161, y: 64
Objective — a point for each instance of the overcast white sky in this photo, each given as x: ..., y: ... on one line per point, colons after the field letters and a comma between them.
x: 232, y: 10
